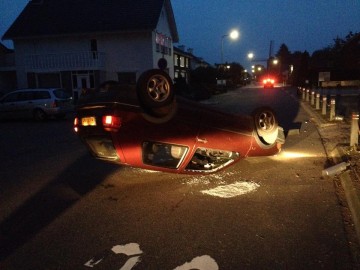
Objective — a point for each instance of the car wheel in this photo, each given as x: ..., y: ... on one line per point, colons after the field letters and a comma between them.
x: 155, y: 89
x: 39, y: 115
x: 266, y: 125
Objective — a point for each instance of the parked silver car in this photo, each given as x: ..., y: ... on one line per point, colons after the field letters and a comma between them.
x: 37, y: 103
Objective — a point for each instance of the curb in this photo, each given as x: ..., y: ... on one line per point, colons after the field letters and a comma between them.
x: 351, y: 193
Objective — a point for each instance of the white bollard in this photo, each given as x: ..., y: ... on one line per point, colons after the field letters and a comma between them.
x: 338, y: 168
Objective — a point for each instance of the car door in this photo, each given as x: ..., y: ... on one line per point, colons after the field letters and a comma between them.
x: 26, y: 104
x: 9, y: 104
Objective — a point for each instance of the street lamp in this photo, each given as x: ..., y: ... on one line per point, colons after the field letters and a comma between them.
x: 234, y: 34
x: 251, y: 56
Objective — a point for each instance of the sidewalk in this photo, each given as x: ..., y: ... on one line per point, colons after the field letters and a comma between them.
x: 335, y: 136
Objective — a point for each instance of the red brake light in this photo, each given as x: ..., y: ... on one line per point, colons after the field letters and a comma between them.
x: 111, y: 122
x: 54, y: 104
x: 268, y: 80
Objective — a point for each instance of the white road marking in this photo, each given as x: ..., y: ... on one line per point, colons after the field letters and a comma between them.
x: 130, y: 263
x: 128, y: 249
x: 201, y: 263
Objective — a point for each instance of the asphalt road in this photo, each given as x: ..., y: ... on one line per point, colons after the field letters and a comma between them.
x: 61, y: 209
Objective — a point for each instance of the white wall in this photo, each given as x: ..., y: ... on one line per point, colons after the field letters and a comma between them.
x: 124, y: 52
x: 163, y: 28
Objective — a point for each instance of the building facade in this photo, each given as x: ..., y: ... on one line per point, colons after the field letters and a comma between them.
x: 75, y: 48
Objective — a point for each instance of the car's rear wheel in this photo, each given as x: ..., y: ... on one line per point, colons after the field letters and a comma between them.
x: 39, y: 115
x: 163, y: 114
x: 266, y: 125
x: 155, y: 89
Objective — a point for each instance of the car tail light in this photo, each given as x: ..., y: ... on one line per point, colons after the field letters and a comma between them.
x: 76, y: 124
x: 54, y: 104
x: 111, y: 122
x: 269, y: 80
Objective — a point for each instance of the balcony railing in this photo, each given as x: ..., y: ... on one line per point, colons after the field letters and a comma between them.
x: 65, y: 61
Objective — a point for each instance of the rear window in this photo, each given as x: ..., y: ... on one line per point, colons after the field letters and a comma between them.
x: 60, y: 93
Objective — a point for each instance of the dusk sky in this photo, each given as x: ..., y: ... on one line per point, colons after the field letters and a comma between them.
x: 302, y: 25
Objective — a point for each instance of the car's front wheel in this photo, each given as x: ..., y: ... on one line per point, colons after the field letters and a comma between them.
x: 266, y: 125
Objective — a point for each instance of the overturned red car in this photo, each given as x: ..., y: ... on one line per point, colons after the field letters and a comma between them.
x: 151, y: 128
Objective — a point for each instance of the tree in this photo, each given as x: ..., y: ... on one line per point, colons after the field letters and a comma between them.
x: 300, y: 63
x: 284, y: 56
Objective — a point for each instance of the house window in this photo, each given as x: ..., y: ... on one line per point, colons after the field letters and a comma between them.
x: 182, y: 61
x: 94, y: 48
x: 47, y: 80
x: 93, y: 45
x: 163, y: 44
x: 176, y: 61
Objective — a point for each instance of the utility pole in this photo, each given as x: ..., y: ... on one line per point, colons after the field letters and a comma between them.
x: 270, y: 54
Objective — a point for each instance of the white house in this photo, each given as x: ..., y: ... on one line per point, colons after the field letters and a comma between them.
x: 77, y: 44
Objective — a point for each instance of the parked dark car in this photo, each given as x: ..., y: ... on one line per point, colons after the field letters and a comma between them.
x: 148, y: 127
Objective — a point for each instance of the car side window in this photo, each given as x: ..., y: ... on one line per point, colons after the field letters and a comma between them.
x: 42, y: 95
x: 25, y: 96
x: 211, y: 160
x: 11, y: 98
x: 163, y: 154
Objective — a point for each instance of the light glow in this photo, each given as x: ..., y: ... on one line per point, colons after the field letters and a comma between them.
x: 289, y: 155
x: 76, y: 124
x: 111, y: 123
x: 234, y: 34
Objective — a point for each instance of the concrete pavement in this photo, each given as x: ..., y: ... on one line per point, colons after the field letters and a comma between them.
x: 336, y: 139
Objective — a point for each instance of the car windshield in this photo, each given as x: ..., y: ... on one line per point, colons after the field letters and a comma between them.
x: 60, y: 93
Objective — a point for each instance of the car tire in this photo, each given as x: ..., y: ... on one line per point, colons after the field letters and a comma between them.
x: 161, y: 115
x: 39, y: 115
x: 266, y: 125
x: 155, y: 89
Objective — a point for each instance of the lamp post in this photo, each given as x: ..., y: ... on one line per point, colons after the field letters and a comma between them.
x: 234, y: 34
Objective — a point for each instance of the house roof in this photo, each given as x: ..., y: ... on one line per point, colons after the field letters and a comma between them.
x: 66, y: 17
x: 4, y: 49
